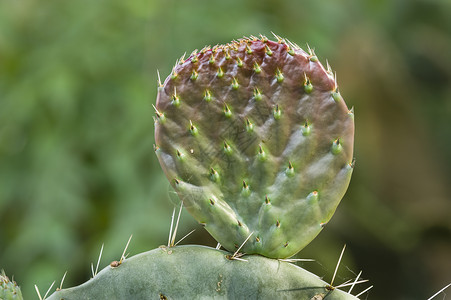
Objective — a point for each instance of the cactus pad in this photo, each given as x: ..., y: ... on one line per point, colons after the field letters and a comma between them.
x: 9, y: 290
x: 257, y: 141
x: 197, y: 272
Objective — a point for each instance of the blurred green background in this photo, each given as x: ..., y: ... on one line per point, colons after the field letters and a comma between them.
x: 77, y: 168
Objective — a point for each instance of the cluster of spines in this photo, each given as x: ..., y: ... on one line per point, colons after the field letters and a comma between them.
x: 9, y: 288
x: 233, y: 46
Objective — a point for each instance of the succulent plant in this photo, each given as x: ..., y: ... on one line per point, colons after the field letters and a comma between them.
x: 198, y: 272
x: 9, y: 290
x: 257, y: 141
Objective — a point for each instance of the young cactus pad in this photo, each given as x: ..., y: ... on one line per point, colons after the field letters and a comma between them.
x: 257, y: 141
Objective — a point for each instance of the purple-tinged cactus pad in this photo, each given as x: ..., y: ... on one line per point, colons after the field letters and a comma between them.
x: 257, y: 141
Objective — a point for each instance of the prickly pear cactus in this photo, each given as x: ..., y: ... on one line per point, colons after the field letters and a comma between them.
x: 198, y: 272
x: 9, y: 290
x: 257, y: 141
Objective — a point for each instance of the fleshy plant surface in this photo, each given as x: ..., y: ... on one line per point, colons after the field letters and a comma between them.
x: 257, y: 141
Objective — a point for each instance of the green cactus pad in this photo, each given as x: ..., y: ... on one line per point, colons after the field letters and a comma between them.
x: 259, y: 142
x: 198, y: 272
x: 9, y: 290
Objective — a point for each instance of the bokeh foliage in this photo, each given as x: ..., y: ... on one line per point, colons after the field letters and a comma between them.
x: 77, y: 80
